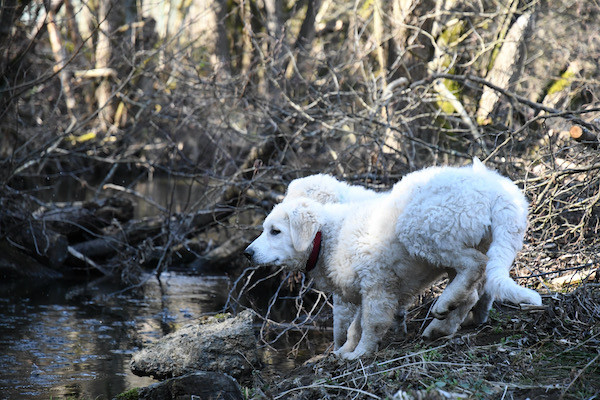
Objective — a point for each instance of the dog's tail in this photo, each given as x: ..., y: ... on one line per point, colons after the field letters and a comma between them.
x: 509, y: 221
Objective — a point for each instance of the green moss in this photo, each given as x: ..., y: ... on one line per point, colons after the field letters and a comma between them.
x: 451, y: 34
x: 563, y: 82
x: 445, y: 40
x: 131, y: 394
x: 454, y: 88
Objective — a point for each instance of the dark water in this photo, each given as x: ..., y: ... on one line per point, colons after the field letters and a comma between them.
x: 75, y: 339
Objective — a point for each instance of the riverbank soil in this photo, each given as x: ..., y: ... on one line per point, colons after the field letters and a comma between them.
x: 543, y: 353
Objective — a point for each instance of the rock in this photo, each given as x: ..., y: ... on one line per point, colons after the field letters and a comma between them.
x: 218, y: 345
x: 201, y: 385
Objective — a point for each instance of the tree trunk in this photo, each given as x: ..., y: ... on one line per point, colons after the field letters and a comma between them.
x: 60, y: 55
x: 307, y: 30
x: 205, y: 27
x: 247, y: 34
x: 104, y: 52
x: 505, y: 70
x: 274, y: 24
x: 411, y: 48
x: 221, y: 58
x: 303, y: 45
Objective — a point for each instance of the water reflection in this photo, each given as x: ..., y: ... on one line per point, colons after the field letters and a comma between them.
x: 75, y: 340
x: 172, y: 196
x: 159, y: 195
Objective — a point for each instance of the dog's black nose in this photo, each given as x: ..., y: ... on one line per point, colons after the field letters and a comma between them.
x: 249, y: 253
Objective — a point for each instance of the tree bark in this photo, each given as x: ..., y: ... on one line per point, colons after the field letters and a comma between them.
x: 307, y: 30
x: 221, y: 58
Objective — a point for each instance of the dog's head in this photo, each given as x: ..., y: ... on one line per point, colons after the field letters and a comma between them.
x: 288, y: 234
x: 326, y: 189
x: 321, y: 188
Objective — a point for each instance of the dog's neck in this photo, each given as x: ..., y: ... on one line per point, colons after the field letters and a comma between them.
x: 314, y: 254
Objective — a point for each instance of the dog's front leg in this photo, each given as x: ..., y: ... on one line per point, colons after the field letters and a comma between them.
x: 353, y: 336
x: 377, y: 315
x: 343, y: 315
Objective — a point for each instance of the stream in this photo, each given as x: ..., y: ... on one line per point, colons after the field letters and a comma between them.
x: 75, y: 339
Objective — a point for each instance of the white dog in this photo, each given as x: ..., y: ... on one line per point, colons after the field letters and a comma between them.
x: 379, y: 253
x: 500, y: 286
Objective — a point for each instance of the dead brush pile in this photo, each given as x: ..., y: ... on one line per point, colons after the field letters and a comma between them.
x: 563, y: 243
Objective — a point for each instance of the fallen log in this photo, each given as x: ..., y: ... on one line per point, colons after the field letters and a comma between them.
x: 226, y: 252
x: 82, y: 218
x: 89, y: 262
x: 41, y: 242
x: 132, y: 233
x: 101, y: 235
x: 16, y: 264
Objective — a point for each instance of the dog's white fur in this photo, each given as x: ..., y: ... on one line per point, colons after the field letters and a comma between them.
x: 499, y: 286
x: 378, y: 251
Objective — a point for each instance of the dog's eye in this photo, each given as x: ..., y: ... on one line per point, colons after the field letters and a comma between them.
x: 275, y: 232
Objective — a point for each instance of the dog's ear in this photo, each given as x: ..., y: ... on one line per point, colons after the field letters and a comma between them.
x: 303, y: 225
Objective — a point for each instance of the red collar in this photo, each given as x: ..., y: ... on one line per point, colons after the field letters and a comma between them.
x: 314, y: 254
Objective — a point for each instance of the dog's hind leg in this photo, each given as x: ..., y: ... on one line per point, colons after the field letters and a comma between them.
x: 480, y: 312
x: 449, y: 325
x: 469, y: 265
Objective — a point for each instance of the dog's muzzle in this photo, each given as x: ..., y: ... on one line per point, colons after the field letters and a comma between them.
x: 249, y: 253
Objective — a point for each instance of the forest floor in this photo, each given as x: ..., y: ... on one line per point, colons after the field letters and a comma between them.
x: 550, y: 352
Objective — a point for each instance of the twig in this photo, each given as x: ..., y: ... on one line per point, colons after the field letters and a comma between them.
x: 88, y: 261
x: 326, y: 386
x: 562, y: 395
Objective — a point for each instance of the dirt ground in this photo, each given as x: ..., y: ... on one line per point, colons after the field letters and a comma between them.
x: 543, y: 353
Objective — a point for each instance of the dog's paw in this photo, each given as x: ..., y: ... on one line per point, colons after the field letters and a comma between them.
x: 531, y: 297
x: 348, y: 347
x: 438, y: 329
x: 442, y: 309
x: 357, y: 353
